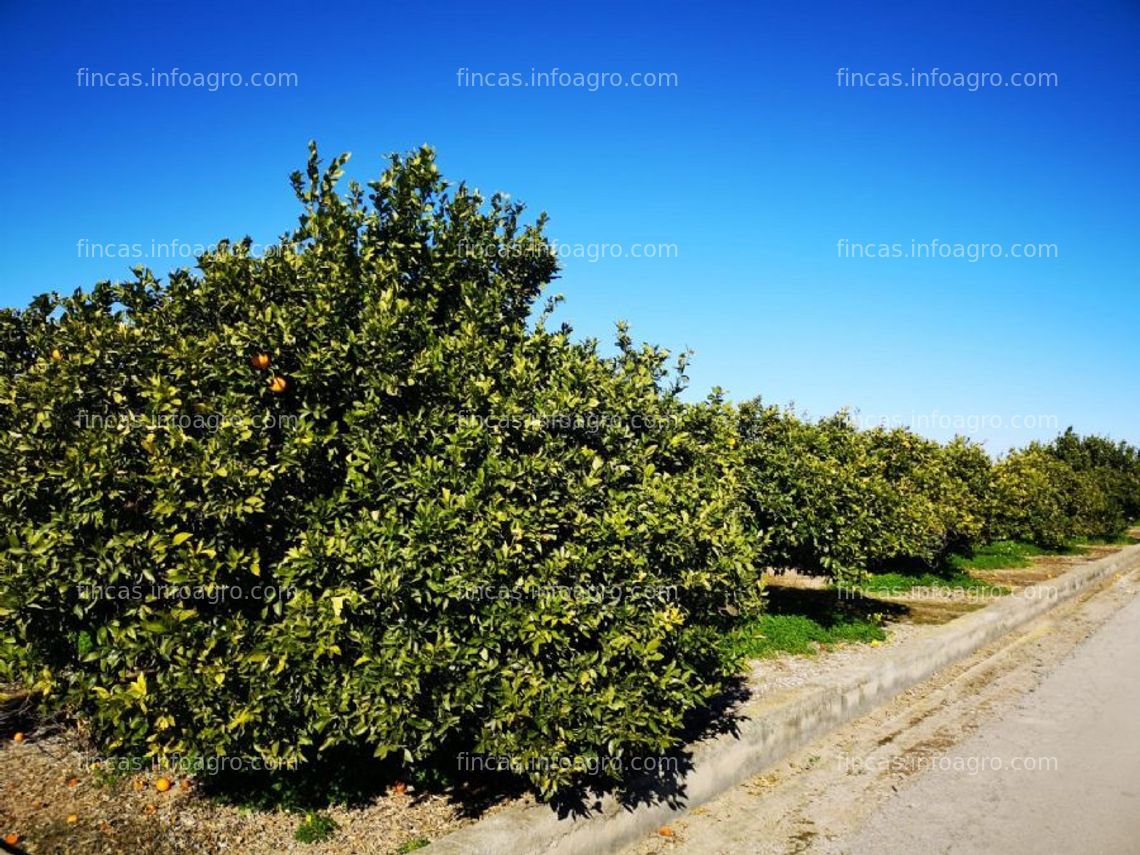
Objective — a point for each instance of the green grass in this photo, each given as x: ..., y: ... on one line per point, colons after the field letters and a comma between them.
x: 999, y: 555
x: 770, y: 635
x: 802, y: 621
x: 902, y: 583
x: 412, y: 845
x: 316, y: 828
x: 1005, y: 554
x: 1119, y: 540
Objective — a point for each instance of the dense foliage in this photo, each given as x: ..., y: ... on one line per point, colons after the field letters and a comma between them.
x: 484, y: 535
x: 356, y: 494
x: 811, y: 488
x: 1074, y: 487
x: 837, y: 500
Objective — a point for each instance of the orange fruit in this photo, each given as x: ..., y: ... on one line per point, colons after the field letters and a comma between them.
x: 11, y: 838
x: 72, y: 782
x: 149, y: 809
x: 18, y: 737
x: 162, y: 785
x: 666, y: 831
x: 260, y: 361
x: 137, y: 785
x: 399, y: 788
x: 72, y: 819
x: 278, y: 384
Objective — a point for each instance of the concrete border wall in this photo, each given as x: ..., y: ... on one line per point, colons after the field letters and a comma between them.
x: 766, y: 734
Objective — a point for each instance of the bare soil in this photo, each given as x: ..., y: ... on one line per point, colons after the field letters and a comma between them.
x: 47, y: 780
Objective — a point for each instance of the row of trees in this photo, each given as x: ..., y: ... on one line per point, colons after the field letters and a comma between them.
x: 356, y: 494
x: 840, y: 501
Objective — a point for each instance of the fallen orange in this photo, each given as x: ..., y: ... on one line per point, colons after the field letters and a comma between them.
x: 12, y: 838
x: 18, y: 737
x: 72, y: 819
x: 666, y: 831
x: 162, y: 785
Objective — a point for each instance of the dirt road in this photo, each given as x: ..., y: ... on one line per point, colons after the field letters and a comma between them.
x: 1030, y: 746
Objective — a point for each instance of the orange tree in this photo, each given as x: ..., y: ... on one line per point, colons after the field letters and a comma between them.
x: 1108, y: 497
x: 1073, y: 487
x: 835, y: 500
x: 812, y: 488
x: 1033, y: 498
x: 935, y: 498
x: 355, y: 494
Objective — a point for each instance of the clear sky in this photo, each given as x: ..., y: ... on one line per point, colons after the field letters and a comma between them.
x: 743, y: 170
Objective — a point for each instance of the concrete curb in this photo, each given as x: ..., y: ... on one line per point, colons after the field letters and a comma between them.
x: 767, y: 734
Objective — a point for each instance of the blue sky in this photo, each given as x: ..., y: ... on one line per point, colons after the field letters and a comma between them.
x: 749, y: 169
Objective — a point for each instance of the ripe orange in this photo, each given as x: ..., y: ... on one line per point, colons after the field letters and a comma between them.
x: 277, y: 384
x: 666, y: 831
x: 260, y: 361
x: 11, y: 838
x: 18, y: 737
x: 162, y: 785
x: 72, y: 819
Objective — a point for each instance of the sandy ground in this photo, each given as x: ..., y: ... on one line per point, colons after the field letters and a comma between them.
x: 1063, y: 768
x: 933, y: 771
x: 43, y: 782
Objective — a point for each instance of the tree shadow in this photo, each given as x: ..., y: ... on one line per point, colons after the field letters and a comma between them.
x: 664, y: 783
x: 830, y: 606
